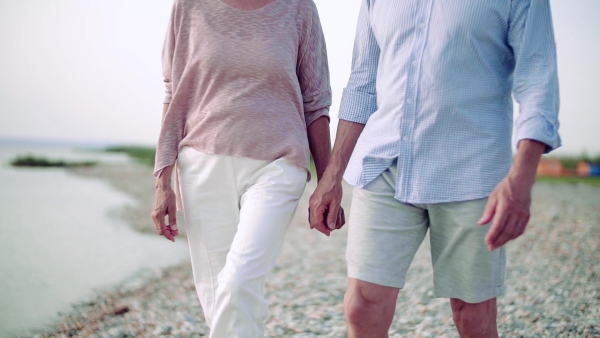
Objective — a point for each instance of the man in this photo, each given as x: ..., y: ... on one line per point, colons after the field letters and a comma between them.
x: 425, y: 137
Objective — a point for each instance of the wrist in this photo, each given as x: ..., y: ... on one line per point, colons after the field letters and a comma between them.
x: 335, y: 171
x: 521, y: 177
x: 164, y: 179
x: 525, y: 163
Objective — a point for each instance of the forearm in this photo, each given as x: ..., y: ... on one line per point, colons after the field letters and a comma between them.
x: 319, y: 142
x: 526, y: 161
x: 345, y: 141
x: 164, y: 178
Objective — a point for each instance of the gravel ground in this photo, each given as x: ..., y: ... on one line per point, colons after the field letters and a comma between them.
x: 553, y: 279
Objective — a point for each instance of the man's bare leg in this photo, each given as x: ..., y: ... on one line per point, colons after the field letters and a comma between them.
x: 369, y: 309
x: 475, y: 320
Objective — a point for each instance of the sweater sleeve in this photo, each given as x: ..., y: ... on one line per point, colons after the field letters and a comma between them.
x: 167, y: 57
x: 313, y: 70
x: 172, y: 122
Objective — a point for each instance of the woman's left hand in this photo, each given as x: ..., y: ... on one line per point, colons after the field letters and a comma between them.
x: 164, y: 205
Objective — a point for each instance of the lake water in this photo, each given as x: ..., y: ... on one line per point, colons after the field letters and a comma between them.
x: 61, y: 243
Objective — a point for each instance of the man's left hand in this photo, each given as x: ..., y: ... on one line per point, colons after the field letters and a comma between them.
x: 508, y: 210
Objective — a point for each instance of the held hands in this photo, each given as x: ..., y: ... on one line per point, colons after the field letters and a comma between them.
x: 508, y: 210
x: 325, y: 212
x: 164, y: 205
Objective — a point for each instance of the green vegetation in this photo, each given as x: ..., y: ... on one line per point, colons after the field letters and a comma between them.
x: 139, y: 153
x: 312, y: 168
x: 593, y: 180
x: 32, y: 161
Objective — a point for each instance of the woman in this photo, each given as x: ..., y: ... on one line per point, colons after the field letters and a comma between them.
x: 247, y: 97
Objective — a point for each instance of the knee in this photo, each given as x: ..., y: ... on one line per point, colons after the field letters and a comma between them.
x: 366, y: 305
x: 475, y: 319
x: 356, y: 307
x: 460, y: 312
x: 240, y: 286
x: 233, y: 284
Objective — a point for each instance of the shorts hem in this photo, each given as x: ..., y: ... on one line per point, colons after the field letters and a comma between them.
x: 375, y: 277
x: 471, y: 299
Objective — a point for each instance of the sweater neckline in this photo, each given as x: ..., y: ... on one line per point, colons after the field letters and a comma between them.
x: 248, y: 11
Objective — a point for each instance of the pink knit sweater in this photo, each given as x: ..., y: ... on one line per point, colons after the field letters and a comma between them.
x: 243, y: 83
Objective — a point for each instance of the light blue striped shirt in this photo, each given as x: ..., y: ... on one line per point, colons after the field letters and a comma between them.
x: 432, y: 80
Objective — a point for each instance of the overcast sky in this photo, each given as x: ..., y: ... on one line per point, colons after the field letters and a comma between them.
x: 89, y: 70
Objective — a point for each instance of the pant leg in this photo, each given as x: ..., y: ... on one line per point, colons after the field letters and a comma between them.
x: 383, y: 233
x: 463, y: 267
x: 267, y: 208
x: 210, y: 200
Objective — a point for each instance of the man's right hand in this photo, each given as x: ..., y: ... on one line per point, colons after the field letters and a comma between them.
x: 325, y: 212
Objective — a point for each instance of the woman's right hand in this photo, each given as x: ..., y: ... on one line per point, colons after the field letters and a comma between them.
x: 164, y: 205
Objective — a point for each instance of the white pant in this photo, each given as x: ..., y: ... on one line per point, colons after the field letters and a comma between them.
x: 237, y: 211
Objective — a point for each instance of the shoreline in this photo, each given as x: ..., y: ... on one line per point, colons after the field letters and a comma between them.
x: 70, y: 244
x: 553, y: 280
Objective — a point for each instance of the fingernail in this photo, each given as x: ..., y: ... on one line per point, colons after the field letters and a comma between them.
x: 332, y: 226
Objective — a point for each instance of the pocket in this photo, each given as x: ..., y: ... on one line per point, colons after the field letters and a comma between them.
x: 295, y: 176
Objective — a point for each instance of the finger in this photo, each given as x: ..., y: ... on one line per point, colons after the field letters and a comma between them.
x: 173, y: 229
x: 157, y: 216
x: 323, y: 229
x: 172, y: 234
x: 522, y: 226
x: 488, y: 212
x: 342, y: 219
x: 498, y: 224
x: 339, y: 220
x: 332, y: 215
x: 316, y: 216
x: 172, y: 212
x: 507, y: 234
x: 519, y: 225
x: 166, y: 232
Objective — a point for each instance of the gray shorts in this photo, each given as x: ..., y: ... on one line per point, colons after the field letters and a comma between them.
x: 384, y: 235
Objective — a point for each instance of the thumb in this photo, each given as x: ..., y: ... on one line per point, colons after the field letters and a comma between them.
x: 332, y: 215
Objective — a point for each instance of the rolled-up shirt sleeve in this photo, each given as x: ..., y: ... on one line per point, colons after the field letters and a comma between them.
x: 359, y: 99
x: 313, y: 70
x: 535, y: 77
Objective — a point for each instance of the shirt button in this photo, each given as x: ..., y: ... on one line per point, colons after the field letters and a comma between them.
x: 409, y: 100
x: 405, y: 139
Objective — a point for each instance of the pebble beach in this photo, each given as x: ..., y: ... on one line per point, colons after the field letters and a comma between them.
x: 552, y: 282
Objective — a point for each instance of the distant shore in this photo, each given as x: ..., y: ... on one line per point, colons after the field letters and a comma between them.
x: 553, y: 278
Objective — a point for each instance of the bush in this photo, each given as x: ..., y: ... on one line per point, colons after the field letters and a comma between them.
x: 32, y: 161
x: 139, y: 153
